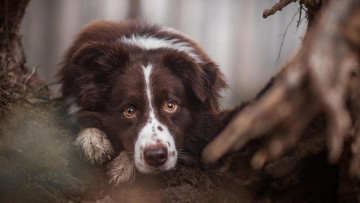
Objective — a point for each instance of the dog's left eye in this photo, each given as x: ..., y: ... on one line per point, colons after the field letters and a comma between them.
x: 170, y: 107
x: 129, y: 111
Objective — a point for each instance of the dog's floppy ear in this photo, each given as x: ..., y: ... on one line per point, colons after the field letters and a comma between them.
x: 87, y: 69
x: 205, y: 79
x: 100, y: 55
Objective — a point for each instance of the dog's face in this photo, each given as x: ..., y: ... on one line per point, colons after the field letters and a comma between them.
x: 148, y: 112
x: 147, y: 92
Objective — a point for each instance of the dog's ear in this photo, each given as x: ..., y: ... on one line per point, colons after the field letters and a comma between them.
x: 205, y: 79
x: 100, y: 56
x: 87, y: 70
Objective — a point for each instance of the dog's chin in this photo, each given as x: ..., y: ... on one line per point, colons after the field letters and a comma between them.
x: 153, y: 170
x: 146, y: 169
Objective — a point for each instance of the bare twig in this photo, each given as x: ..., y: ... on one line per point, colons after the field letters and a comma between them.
x: 300, y: 14
x: 277, y: 7
x: 22, y: 52
x: 30, y: 75
x: 46, y: 86
x: 287, y: 28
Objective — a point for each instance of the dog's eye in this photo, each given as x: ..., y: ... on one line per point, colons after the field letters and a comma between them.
x: 170, y: 107
x: 129, y: 111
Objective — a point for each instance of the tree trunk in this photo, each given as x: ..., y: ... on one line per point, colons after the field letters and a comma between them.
x: 15, y: 77
x: 11, y: 15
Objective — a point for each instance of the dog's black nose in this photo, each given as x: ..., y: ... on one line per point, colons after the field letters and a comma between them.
x: 155, y: 157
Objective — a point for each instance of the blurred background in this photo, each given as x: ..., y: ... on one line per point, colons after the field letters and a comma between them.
x: 233, y: 33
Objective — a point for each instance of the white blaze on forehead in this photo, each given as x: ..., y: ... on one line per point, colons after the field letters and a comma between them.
x: 150, y: 42
x: 153, y: 133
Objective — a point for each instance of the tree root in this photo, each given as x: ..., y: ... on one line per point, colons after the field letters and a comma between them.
x: 319, y: 79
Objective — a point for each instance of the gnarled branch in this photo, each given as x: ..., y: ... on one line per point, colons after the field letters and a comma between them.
x: 315, y: 81
x: 277, y: 7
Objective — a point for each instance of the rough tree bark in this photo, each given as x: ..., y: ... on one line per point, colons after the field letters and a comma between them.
x: 11, y: 15
x: 312, y: 105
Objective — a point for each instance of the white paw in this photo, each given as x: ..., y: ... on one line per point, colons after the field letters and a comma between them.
x: 121, y: 169
x: 95, y: 145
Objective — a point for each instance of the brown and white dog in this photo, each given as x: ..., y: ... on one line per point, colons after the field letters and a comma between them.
x: 146, y: 97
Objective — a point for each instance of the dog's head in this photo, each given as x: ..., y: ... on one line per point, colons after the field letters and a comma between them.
x: 152, y: 91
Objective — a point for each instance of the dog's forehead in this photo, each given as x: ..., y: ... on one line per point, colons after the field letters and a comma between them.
x: 164, y: 85
x: 130, y: 79
x: 160, y: 76
x: 163, y: 81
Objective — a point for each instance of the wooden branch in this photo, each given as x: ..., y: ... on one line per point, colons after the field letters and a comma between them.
x: 315, y: 81
x: 277, y: 7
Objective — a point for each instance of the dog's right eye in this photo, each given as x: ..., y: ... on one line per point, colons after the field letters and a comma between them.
x: 129, y: 111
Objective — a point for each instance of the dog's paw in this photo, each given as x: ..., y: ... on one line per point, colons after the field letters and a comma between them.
x: 95, y: 145
x: 121, y: 169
